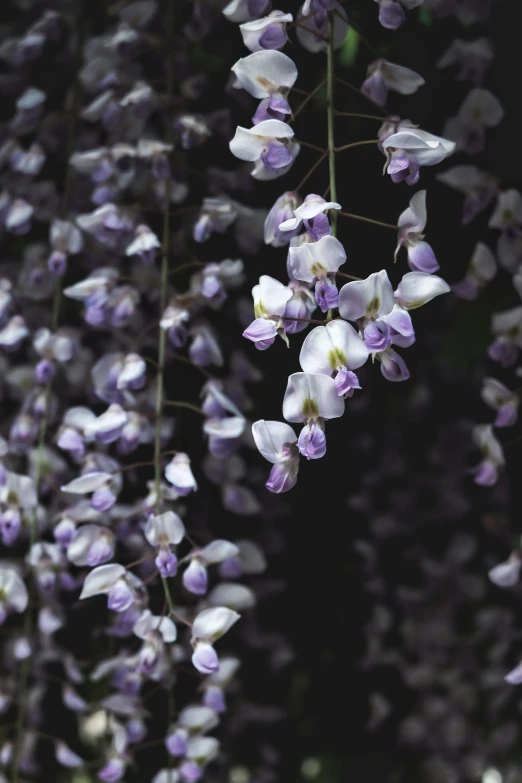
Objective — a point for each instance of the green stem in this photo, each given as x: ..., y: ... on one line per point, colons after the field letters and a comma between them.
x: 369, y: 220
x: 162, y: 338
x: 357, y: 114
x: 356, y: 144
x: 330, y: 88
x: 183, y: 404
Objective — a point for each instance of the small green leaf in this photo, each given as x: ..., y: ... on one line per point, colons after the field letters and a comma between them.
x: 425, y: 16
x: 349, y: 49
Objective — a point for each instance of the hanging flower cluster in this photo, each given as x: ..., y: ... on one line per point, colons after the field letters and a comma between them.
x: 365, y: 318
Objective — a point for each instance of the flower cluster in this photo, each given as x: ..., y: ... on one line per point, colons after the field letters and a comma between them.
x: 372, y: 317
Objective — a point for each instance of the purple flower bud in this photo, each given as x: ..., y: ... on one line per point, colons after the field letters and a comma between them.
x: 326, y: 294
x: 276, y: 156
x: 503, y: 351
x: 195, y: 578
x: 112, y: 771
x: 283, y: 477
x: 485, y: 474
x: 120, y: 596
x: 100, y: 551
x: 44, y: 371
x: 57, y: 263
x: 393, y: 366
x: 346, y: 382
x: 166, y: 563
x: 215, y: 699
x: 103, y: 499
x: 230, y: 568
x: 136, y: 730
x: 312, y: 442
x: 276, y: 107
x: 176, y: 742
x: 507, y: 415
x: 10, y: 524
x: 377, y: 336
x: 262, y: 332
x: 376, y: 88
x: 391, y: 14
x: 190, y: 772
x: 318, y: 226
x: 274, y: 37
x: 205, y: 658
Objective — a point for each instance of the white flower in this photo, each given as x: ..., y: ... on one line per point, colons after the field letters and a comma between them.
x: 249, y: 143
x: 417, y: 289
x: 265, y: 72
x: 328, y: 348
x: 315, y: 260
x: 371, y: 298
x: 312, y: 206
x: 310, y: 396
x: 427, y: 148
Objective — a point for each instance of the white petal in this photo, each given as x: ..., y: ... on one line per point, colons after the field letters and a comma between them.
x: 217, y: 551
x: 101, y: 579
x: 89, y: 482
x: 314, y: 260
x: 370, y: 298
x: 417, y: 289
x: 270, y: 297
x: 211, y: 624
x: 164, y: 529
x: 265, y: 72
x: 311, y: 207
x: 232, y: 595
x: 400, y: 79
x: 197, y: 718
x: 326, y: 348
x: 483, y: 263
x: 310, y: 396
x: 270, y: 437
x: 249, y: 143
x: 415, y: 216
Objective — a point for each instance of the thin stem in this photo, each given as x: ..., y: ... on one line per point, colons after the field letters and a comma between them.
x: 356, y: 144
x: 330, y: 116
x: 311, y: 146
x: 308, y: 98
x: 360, y: 92
x: 308, y: 29
x: 357, y: 114
x: 369, y: 220
x: 183, y: 404
x: 184, y: 359
x: 162, y: 341
x: 348, y: 277
x: 189, y: 265
x: 311, y: 171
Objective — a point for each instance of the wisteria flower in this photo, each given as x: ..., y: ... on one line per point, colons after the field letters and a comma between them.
x: 501, y: 399
x: 312, y: 398
x: 335, y: 350
x: 13, y: 593
x: 282, y: 211
x: 411, y: 148
x: 481, y: 270
x: 270, y: 299
x: 479, y: 111
x: 418, y: 288
x: 383, y: 75
x: 265, y: 72
x: 277, y: 443
x: 312, y: 213
x: 209, y: 626
x: 269, y: 32
x: 317, y: 262
x: 268, y: 144
x: 412, y: 223
x: 486, y: 472
x: 370, y: 299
